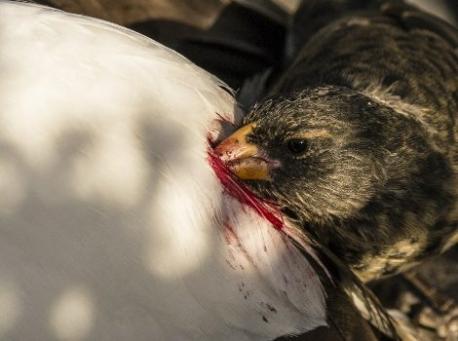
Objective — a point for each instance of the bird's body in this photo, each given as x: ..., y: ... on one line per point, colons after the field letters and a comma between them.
x: 114, y: 221
x: 373, y: 97
x: 405, y: 61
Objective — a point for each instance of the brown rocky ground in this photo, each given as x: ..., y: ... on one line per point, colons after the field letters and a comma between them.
x: 199, y: 13
x: 438, y: 320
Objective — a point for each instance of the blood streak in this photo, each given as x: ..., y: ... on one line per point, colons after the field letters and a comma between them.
x: 244, y: 195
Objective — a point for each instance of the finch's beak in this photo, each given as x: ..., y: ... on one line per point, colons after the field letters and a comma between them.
x: 245, y: 160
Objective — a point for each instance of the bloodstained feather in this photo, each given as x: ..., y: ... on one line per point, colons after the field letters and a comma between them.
x: 246, y: 197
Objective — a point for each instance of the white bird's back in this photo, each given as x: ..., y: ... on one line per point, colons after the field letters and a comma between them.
x: 113, y: 225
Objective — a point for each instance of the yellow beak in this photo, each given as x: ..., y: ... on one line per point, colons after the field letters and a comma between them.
x: 244, y: 159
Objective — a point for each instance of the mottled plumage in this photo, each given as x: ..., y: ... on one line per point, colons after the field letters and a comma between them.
x: 358, y: 136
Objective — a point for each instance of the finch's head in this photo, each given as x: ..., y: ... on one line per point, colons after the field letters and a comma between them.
x: 320, y: 154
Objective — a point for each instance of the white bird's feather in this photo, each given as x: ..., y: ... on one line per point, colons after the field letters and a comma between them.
x: 112, y: 222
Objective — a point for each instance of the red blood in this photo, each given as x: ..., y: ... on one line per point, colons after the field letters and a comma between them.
x: 229, y: 234
x: 244, y: 195
x: 223, y: 118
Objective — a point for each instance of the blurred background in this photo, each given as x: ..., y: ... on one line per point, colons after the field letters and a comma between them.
x: 233, y: 39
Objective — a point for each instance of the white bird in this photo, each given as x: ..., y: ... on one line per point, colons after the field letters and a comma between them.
x: 115, y: 221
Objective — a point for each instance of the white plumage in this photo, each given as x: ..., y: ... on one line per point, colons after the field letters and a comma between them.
x: 113, y: 226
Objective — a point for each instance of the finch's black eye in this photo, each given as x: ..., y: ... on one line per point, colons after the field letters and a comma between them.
x: 297, y: 146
